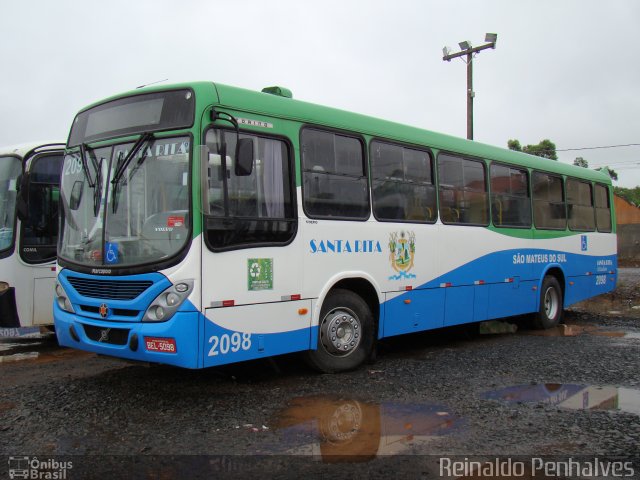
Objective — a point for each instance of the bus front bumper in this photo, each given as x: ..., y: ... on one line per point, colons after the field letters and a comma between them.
x: 173, y: 342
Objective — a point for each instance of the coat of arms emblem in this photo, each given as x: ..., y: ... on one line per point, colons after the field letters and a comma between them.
x: 402, y: 251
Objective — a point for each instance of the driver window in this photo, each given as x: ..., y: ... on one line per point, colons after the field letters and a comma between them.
x: 40, y: 228
x: 245, y: 210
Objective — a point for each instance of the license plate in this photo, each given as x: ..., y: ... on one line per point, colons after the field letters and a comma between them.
x: 165, y: 345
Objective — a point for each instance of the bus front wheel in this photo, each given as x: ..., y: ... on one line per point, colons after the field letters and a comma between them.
x: 346, y: 333
x: 551, y: 304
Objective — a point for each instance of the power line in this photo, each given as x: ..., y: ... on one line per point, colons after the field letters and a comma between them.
x: 584, y: 148
x: 597, y: 148
x: 633, y: 163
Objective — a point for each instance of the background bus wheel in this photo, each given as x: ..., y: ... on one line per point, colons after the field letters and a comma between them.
x: 346, y: 336
x: 551, y: 304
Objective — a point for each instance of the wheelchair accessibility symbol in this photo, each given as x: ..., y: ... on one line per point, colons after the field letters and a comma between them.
x: 111, y: 253
x: 583, y: 241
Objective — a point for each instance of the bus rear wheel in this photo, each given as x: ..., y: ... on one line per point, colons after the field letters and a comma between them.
x: 346, y: 333
x: 551, y: 304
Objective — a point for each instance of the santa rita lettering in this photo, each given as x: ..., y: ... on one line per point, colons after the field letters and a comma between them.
x: 345, y: 246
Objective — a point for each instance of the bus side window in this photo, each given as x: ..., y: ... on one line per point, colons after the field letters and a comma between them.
x: 548, y: 202
x: 603, y: 208
x: 463, y: 191
x: 580, y: 205
x: 401, y: 180
x: 510, y: 199
x: 335, y: 182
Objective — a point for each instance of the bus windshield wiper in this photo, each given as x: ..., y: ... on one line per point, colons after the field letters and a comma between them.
x: 95, y: 183
x: 123, y: 164
x: 85, y: 168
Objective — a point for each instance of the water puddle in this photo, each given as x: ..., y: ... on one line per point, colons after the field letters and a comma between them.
x: 571, y: 330
x: 339, y: 430
x: 611, y: 305
x: 6, y: 406
x: 571, y: 396
x: 40, y: 349
x: 633, y: 335
x: 19, y: 357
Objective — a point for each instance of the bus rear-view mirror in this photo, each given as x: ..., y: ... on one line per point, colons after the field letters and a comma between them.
x: 244, y: 157
x: 76, y: 195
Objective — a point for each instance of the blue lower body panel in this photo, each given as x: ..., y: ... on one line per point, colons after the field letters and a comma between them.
x: 127, y: 339
x: 223, y: 346
x: 498, y: 285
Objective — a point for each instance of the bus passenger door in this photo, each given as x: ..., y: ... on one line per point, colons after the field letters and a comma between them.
x: 251, y: 260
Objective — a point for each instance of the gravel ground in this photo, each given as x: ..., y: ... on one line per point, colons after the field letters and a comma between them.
x: 574, y: 391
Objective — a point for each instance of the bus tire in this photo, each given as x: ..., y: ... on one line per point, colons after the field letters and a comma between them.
x: 345, y: 333
x: 551, y: 304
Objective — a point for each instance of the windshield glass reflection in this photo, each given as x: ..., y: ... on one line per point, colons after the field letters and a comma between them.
x: 146, y: 212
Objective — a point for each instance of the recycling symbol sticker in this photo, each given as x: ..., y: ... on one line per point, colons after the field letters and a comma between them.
x: 260, y: 274
x: 254, y: 270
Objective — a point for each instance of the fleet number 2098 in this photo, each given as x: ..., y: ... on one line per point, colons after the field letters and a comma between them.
x: 223, y: 344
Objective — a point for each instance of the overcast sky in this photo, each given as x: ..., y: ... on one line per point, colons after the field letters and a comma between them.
x: 566, y: 70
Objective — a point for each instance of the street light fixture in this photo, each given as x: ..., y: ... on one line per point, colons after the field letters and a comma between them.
x: 466, y: 49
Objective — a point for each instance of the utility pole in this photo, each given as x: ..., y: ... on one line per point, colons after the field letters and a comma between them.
x: 467, y: 50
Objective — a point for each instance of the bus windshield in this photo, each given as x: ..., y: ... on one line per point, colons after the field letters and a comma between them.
x: 10, y: 168
x: 142, y: 218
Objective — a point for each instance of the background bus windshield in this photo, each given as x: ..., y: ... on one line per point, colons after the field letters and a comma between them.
x: 9, y: 170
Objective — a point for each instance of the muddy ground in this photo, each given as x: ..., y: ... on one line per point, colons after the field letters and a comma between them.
x: 571, y: 392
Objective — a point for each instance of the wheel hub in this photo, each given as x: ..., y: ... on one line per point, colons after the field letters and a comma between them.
x: 551, y: 302
x: 340, y: 332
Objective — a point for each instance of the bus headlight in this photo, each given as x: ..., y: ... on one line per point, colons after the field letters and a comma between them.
x: 168, y: 302
x: 159, y: 312
x: 63, y: 299
x: 4, y: 286
x: 172, y: 299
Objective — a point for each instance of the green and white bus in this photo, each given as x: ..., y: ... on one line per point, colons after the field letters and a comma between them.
x: 204, y: 224
x: 29, y: 192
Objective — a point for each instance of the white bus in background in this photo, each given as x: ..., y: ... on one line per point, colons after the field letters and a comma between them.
x: 29, y: 193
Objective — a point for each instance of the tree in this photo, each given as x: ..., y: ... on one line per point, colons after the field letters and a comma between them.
x: 609, y: 171
x: 581, y: 162
x: 545, y: 149
x: 631, y: 195
x: 514, y: 145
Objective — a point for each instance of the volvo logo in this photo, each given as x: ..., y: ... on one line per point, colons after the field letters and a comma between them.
x: 103, y: 310
x: 104, y: 335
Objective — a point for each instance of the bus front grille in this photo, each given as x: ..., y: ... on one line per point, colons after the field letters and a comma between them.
x: 114, y: 336
x: 109, y: 289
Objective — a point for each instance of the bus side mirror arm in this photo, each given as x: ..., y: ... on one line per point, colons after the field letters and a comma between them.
x: 204, y: 180
x: 22, y: 198
x: 244, y: 147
